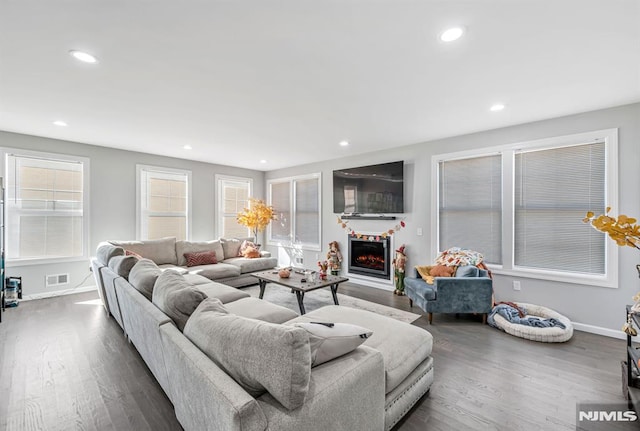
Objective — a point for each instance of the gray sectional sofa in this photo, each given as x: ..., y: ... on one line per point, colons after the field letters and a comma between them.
x: 370, y: 388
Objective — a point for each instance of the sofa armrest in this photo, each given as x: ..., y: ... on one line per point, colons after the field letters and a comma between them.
x: 265, y: 253
x: 462, y: 295
x: 347, y: 393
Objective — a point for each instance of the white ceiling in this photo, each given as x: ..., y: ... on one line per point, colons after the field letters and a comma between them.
x: 286, y: 80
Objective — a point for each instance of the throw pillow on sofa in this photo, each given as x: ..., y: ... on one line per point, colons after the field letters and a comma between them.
x: 231, y: 247
x: 201, y: 258
x: 183, y: 247
x: 331, y: 340
x: 143, y: 277
x: 258, y: 355
x: 160, y: 251
x: 176, y: 297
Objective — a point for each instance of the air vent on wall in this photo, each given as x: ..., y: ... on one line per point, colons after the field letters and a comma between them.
x: 57, y: 279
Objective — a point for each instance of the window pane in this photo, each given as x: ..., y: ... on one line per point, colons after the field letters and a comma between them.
x: 553, y: 191
x: 307, y: 215
x: 281, y: 202
x: 164, y: 203
x: 470, y: 206
x: 160, y: 227
x: 231, y: 228
x: 233, y: 199
x: 44, y: 208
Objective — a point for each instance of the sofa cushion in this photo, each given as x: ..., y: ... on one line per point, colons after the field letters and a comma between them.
x: 183, y: 247
x: 143, y: 277
x: 215, y: 272
x: 254, y: 308
x: 106, y: 251
x: 331, y: 340
x: 221, y: 291
x: 258, y: 355
x: 201, y: 258
x: 176, y: 297
x: 160, y: 251
x: 173, y: 267
x: 402, y: 345
x: 122, y: 265
x: 467, y: 271
x: 196, y: 279
x: 251, y: 265
x: 231, y: 246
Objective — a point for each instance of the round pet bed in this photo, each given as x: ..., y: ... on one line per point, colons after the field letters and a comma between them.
x: 554, y: 334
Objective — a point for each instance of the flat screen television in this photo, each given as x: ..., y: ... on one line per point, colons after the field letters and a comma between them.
x: 375, y: 189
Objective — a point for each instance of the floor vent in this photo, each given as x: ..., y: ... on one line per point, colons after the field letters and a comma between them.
x: 57, y: 279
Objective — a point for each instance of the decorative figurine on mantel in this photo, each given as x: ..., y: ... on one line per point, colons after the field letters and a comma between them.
x: 334, y: 257
x: 399, y: 263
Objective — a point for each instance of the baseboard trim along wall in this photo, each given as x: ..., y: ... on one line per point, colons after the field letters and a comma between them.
x: 600, y: 331
x: 58, y: 293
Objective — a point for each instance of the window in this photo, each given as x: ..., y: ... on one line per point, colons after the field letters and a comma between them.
x: 296, y: 202
x: 470, y: 205
x: 164, y: 203
x: 522, y: 205
x: 46, y: 207
x: 233, y: 197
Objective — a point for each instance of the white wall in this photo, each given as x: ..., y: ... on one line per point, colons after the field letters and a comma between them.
x: 112, y: 197
x: 587, y: 305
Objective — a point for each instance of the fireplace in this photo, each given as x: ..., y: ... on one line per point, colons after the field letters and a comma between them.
x: 370, y: 258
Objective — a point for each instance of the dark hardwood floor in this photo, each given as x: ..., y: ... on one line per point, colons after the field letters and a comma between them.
x: 65, y: 365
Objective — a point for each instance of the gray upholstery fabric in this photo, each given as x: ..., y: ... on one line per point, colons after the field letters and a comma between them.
x: 467, y: 271
x: 330, y: 342
x: 122, y: 265
x: 222, y: 292
x: 252, y: 265
x: 183, y: 247
x: 215, y: 271
x: 175, y: 297
x: 106, y: 251
x: 258, y: 355
x: 142, y: 322
x: 108, y: 277
x: 205, y: 397
x: 402, y: 345
x: 160, y: 251
x: 231, y: 246
x: 344, y: 394
x: 173, y: 267
x: 399, y: 401
x: 254, y: 308
x: 143, y: 277
x: 196, y: 279
x: 97, y: 275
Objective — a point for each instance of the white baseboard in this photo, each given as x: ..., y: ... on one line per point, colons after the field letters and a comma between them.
x: 58, y: 293
x: 600, y: 330
x: 371, y: 282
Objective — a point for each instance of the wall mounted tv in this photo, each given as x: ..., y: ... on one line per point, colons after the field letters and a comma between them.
x: 375, y: 189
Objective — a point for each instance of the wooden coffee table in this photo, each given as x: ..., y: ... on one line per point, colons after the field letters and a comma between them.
x: 295, y: 283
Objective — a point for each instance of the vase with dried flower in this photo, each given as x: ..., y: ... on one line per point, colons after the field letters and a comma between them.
x: 256, y: 217
x: 625, y: 231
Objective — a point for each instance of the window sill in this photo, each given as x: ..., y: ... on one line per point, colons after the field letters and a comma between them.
x: 572, y: 278
x: 295, y: 246
x: 55, y: 260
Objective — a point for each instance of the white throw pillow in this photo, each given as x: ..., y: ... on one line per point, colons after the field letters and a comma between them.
x: 330, y: 340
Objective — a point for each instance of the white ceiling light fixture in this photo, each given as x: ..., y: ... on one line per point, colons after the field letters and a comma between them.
x: 60, y: 123
x: 497, y: 107
x: 83, y: 56
x: 451, y: 34
x: 263, y: 161
x: 344, y: 143
x: 188, y: 147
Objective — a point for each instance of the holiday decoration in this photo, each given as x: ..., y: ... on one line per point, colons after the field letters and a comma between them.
x: 345, y: 225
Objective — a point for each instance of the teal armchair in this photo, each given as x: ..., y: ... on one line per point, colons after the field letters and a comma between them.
x: 470, y: 291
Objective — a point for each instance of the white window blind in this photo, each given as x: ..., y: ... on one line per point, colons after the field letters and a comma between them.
x: 45, y: 208
x: 233, y: 197
x: 470, y: 205
x: 296, y: 202
x: 554, y: 188
x: 164, y: 203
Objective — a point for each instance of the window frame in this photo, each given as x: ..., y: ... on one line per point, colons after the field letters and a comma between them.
x: 48, y: 156
x: 140, y: 212
x: 220, y: 179
x: 610, y: 138
x: 292, y: 209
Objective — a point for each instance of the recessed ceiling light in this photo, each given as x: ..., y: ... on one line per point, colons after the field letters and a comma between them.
x: 344, y: 143
x: 187, y: 147
x: 60, y: 123
x: 451, y: 34
x: 263, y: 161
x: 83, y: 56
x: 497, y: 107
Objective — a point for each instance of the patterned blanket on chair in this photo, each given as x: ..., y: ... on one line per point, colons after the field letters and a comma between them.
x: 456, y: 256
